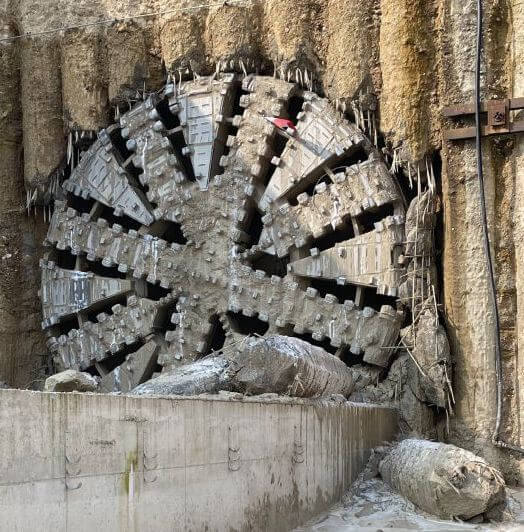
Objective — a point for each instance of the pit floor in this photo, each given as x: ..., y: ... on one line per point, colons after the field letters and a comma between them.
x: 372, y: 507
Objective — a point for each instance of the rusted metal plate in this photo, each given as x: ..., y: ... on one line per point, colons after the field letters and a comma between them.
x: 469, y: 109
x: 498, y: 119
x: 498, y: 113
x: 487, y: 131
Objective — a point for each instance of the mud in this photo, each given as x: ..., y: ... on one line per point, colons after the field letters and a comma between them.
x: 271, y: 365
x: 372, y: 505
x: 442, y: 479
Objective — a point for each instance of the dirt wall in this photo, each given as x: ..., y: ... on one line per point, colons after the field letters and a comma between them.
x: 416, y: 57
x: 22, y: 342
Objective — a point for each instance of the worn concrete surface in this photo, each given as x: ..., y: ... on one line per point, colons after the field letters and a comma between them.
x: 82, y: 462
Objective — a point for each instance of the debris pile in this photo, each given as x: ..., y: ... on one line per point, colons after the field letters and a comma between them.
x: 275, y: 364
x: 209, y: 375
x: 416, y: 418
x: 429, y: 375
x: 419, y: 251
x: 442, y: 479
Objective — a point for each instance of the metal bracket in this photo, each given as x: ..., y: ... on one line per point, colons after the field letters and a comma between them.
x: 298, y: 446
x: 150, y: 461
x: 71, y: 487
x: 233, y: 451
x: 497, y: 122
x: 70, y: 473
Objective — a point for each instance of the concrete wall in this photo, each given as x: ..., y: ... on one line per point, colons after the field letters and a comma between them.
x: 81, y: 462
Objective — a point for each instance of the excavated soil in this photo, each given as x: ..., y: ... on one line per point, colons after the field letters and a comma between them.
x: 372, y: 505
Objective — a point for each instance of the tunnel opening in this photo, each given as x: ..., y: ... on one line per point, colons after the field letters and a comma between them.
x: 352, y: 157
x: 169, y: 231
x: 63, y: 259
x: 98, y: 268
x: 163, y: 322
x: 103, y: 307
x: 217, y: 336
x: 329, y: 240
x: 66, y: 324
x: 246, y: 325
x: 237, y: 110
x: 294, y: 106
x: 307, y: 337
x: 350, y: 359
x: 254, y: 225
x: 155, y: 292
x: 108, y: 214
x: 109, y: 364
x: 270, y: 264
x: 81, y: 205
x: 343, y: 292
x: 176, y: 137
x: 374, y: 300
x: 124, y: 155
x: 367, y: 219
x: 311, y: 189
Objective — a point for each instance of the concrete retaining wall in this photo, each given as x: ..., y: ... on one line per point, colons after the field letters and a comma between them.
x: 82, y: 462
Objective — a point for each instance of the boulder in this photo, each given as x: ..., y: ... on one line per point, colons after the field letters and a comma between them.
x: 288, y: 366
x: 431, y: 380
x: 209, y: 375
x: 276, y: 364
x: 71, y: 381
x: 442, y: 479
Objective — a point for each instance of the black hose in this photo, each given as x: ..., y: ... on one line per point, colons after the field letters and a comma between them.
x: 487, y: 248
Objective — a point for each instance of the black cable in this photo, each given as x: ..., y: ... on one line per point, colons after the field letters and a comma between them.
x: 487, y: 248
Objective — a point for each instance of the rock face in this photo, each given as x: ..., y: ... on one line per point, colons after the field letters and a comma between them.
x: 276, y: 364
x: 443, y: 480
x: 71, y: 381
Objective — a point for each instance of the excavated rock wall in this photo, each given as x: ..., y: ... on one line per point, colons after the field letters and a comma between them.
x: 415, y: 56
x: 21, y: 339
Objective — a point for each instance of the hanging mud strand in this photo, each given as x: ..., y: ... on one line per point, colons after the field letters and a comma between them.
x: 301, y: 76
x: 416, y: 262
x: 430, y: 176
x: 78, y: 141
x: 375, y: 131
x: 396, y: 163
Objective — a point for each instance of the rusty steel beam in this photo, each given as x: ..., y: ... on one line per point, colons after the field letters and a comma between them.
x: 487, y: 131
x: 469, y: 109
x: 498, y: 119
